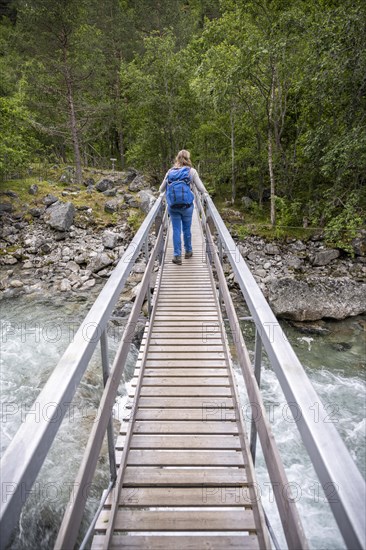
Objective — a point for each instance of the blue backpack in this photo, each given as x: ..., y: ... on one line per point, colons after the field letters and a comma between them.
x: 178, y: 190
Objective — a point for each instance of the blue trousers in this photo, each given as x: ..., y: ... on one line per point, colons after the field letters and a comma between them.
x: 181, y: 220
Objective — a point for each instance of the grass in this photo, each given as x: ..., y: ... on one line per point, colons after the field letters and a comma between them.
x: 25, y: 200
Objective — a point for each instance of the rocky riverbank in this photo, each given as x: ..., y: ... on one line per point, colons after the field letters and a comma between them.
x: 67, y: 239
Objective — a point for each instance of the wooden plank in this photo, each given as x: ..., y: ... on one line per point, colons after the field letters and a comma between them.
x: 184, y: 458
x: 183, y: 496
x: 188, y: 542
x: 208, y: 427
x: 179, y: 381
x: 197, y: 348
x: 181, y: 442
x: 151, y: 475
x: 240, y: 519
x: 182, y: 362
x: 185, y: 402
x: 205, y: 356
x: 194, y: 334
x: 191, y: 372
x: 185, y: 414
x: 189, y: 392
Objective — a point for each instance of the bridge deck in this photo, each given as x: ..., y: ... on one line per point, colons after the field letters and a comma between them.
x: 188, y: 480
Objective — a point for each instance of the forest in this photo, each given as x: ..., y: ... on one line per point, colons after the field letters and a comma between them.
x: 268, y: 95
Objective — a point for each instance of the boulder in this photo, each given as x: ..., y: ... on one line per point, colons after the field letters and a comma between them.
x: 65, y: 285
x: 60, y: 215
x: 359, y: 244
x: 271, y: 249
x: 138, y: 183
x: 49, y: 199
x: 99, y: 262
x: 147, y: 200
x: 324, y: 257
x: 36, y: 212
x: 33, y: 190
x: 317, y: 298
x: 113, y: 205
x: 110, y: 239
x: 104, y: 184
x: 5, y: 208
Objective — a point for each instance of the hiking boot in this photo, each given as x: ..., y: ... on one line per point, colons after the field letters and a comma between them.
x: 177, y: 260
x: 188, y: 254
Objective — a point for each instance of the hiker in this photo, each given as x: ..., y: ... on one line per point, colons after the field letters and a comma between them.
x: 178, y: 183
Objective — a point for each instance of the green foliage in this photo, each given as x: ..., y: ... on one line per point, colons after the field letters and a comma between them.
x: 18, y: 144
x: 135, y: 219
x: 343, y: 228
x: 222, y: 78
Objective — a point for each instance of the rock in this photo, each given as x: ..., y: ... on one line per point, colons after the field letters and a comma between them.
x: 341, y: 346
x: 5, y: 208
x: 310, y: 328
x: 147, y: 201
x: 88, y: 182
x: 9, y: 260
x: 45, y: 248
x: 88, y: 284
x: 11, y: 194
x: 317, y: 298
x: 324, y: 257
x: 99, y: 262
x: 261, y: 272
x: 104, y: 184
x: 110, y: 193
x: 81, y: 258
x: 138, y: 183
x: 33, y: 190
x: 65, y: 285
x: 60, y: 215
x: 16, y: 283
x: 27, y: 264
x: 113, y: 205
x: 130, y: 175
x: 267, y: 265
x: 49, y: 199
x: 110, y: 240
x: 271, y: 249
x: 359, y: 244
x: 294, y: 262
x: 72, y: 266
x: 36, y: 212
x: 124, y: 311
x: 252, y: 256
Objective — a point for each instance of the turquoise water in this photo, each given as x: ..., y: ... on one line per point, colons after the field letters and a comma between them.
x: 34, y: 336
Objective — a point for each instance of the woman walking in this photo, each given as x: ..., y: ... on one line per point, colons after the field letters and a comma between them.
x: 178, y: 184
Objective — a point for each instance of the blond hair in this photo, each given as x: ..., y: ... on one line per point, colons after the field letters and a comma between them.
x: 183, y: 158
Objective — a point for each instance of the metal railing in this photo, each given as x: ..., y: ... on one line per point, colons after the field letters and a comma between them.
x: 340, y: 478
x: 27, y: 451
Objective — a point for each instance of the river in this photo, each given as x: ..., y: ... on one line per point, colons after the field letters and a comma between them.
x: 34, y: 336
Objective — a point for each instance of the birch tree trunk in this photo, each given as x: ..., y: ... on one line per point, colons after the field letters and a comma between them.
x: 270, y: 150
x: 73, y: 126
x: 232, y: 140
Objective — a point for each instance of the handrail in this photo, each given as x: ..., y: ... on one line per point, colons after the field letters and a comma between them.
x: 287, y: 508
x: 27, y: 451
x: 340, y: 478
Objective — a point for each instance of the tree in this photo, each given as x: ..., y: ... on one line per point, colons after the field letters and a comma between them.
x: 62, y: 53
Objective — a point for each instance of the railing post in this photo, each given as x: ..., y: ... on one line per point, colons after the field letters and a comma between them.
x: 221, y: 259
x: 148, y: 293
x: 257, y: 374
x: 110, y: 434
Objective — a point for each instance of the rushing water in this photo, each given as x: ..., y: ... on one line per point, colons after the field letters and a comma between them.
x: 34, y: 336
x: 335, y: 362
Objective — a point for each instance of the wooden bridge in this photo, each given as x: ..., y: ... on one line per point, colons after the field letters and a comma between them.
x: 182, y: 469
